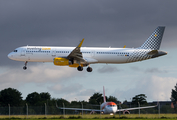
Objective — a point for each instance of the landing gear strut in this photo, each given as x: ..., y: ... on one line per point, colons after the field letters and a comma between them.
x: 24, y: 68
x: 79, y: 68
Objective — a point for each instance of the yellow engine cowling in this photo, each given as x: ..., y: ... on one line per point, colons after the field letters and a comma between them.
x: 61, y: 61
x: 75, y: 65
x: 65, y: 62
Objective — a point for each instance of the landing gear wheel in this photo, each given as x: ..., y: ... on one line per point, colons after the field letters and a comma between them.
x: 24, y: 68
x: 79, y: 68
x: 89, y: 69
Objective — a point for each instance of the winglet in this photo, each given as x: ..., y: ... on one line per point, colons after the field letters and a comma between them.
x: 80, y: 44
x: 124, y: 46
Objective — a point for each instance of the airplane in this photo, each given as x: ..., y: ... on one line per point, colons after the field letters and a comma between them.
x: 80, y: 57
x: 107, y: 107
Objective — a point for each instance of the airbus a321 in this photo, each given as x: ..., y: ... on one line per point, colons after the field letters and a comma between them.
x: 80, y: 57
x: 107, y: 107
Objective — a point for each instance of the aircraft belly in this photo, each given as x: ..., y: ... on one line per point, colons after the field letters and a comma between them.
x: 138, y: 55
x: 40, y: 58
x: 21, y: 58
x: 111, y: 59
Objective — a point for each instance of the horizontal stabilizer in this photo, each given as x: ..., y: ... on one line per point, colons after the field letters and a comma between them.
x: 156, y: 53
x: 153, y: 52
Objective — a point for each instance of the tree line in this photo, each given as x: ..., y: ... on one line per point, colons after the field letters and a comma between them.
x: 14, y: 98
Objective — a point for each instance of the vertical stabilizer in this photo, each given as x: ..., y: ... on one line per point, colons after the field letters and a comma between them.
x: 154, y: 41
x: 104, y: 98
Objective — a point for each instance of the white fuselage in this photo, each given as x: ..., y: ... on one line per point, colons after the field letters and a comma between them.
x: 84, y: 56
x: 90, y: 54
x: 109, y: 107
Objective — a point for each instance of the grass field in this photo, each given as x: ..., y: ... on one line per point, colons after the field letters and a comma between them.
x: 95, y: 117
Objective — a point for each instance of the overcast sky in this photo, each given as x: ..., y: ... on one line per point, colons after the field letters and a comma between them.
x: 102, y: 23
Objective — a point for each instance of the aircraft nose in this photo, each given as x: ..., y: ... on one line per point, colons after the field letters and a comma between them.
x: 111, y: 110
x: 114, y: 110
x: 10, y: 56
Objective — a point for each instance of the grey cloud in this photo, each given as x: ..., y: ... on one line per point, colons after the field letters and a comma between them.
x: 155, y: 70
x: 62, y: 89
x: 156, y: 88
x: 74, y: 91
x: 102, y: 23
x: 135, y: 68
x: 86, y: 92
x: 65, y: 23
x: 149, y: 70
x: 108, y: 69
x: 39, y: 74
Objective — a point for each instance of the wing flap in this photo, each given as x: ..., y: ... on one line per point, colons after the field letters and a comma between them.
x: 78, y: 109
x: 76, y: 52
x: 136, y: 108
x: 81, y: 109
x: 90, y: 60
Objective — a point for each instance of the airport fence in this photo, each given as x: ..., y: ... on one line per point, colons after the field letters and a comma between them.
x: 53, y: 110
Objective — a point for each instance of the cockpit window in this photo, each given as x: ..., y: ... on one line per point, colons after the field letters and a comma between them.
x: 111, y: 105
x: 15, y: 50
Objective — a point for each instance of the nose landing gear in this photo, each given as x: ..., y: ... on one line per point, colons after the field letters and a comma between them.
x: 25, y: 67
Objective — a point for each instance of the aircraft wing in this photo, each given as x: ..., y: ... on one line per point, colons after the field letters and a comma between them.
x: 78, y: 109
x: 76, y: 53
x: 136, y: 108
x: 81, y: 109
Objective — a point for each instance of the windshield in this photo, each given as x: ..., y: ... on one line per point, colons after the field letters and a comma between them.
x: 111, y: 105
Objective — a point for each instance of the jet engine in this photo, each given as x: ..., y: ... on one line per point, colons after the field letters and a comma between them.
x: 62, y: 61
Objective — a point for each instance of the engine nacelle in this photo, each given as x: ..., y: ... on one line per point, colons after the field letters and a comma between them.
x: 62, y: 61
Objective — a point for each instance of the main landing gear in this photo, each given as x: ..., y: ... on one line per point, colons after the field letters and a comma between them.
x: 80, y: 68
x: 25, y: 67
x: 89, y: 69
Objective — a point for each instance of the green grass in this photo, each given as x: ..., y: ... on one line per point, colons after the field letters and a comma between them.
x: 95, y: 117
